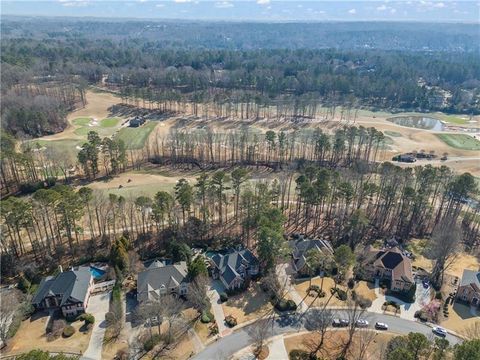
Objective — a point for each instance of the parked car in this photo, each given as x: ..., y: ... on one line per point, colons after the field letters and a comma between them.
x: 340, y: 323
x: 361, y: 323
x: 437, y: 330
x: 381, y: 326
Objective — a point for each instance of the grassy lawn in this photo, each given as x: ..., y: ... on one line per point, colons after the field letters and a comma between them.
x: 249, y: 305
x: 365, y: 290
x: 109, y: 122
x: 328, y: 283
x: 333, y: 344
x: 31, y: 335
x: 460, y: 141
x: 66, y: 146
x: 81, y: 121
x: 460, y: 318
x: 454, y: 119
x: 393, y: 133
x: 135, y: 138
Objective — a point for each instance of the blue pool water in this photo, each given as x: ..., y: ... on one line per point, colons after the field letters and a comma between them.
x: 96, y: 273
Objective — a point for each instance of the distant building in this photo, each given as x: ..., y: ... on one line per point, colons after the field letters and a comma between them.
x: 469, y: 288
x: 159, y: 279
x: 136, y: 122
x: 68, y: 291
x: 302, y: 247
x: 234, y: 268
x: 392, y: 265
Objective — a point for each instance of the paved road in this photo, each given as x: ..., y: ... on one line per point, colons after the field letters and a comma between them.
x: 225, y: 347
x: 98, y: 306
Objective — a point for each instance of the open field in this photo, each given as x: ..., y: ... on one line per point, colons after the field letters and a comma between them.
x: 365, y: 290
x: 460, y: 141
x: 141, y: 183
x: 400, y: 139
x: 334, y: 341
x: 31, y: 335
x: 134, y: 138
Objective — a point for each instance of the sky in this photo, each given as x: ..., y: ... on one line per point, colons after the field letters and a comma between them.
x: 253, y: 10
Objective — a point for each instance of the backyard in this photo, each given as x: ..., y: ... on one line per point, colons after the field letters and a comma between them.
x: 31, y: 335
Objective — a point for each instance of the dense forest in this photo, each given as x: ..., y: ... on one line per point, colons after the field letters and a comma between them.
x: 323, y: 185
x: 138, y: 64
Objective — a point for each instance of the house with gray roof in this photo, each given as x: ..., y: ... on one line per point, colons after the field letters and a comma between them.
x: 302, y: 248
x: 234, y: 268
x: 160, y: 279
x: 68, y: 291
x: 469, y: 288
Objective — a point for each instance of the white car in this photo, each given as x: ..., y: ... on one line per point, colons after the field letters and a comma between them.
x: 437, y: 330
x: 381, y: 326
x: 361, y: 323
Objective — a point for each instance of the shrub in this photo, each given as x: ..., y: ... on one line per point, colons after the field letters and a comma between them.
x: 213, y: 329
x: 223, y: 297
x: 300, y: 355
x: 206, y: 317
x: 438, y: 295
x: 231, y: 321
x: 351, y: 283
x: 110, y: 318
x: 339, y: 293
x: 291, y: 305
x: 68, y: 331
x: 150, y: 343
x: 281, y: 305
x: 88, y: 318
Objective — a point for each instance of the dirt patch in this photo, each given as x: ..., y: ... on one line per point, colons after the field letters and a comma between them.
x: 328, y: 284
x: 335, y: 339
x: 31, y: 335
x: 365, y: 290
x: 249, y: 305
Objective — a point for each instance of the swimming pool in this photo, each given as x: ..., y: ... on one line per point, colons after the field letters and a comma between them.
x: 96, y: 273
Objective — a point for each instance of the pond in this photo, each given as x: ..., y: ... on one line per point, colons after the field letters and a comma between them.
x: 418, y: 122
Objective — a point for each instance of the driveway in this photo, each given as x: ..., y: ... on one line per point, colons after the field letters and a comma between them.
x: 407, y: 310
x: 216, y: 287
x: 98, y: 306
x: 229, y: 345
x: 284, y: 275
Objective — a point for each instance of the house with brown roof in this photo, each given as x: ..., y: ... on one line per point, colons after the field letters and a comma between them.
x: 392, y: 265
x: 469, y: 288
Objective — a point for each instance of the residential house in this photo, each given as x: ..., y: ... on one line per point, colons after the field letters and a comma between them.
x: 234, y: 268
x: 160, y: 279
x: 68, y: 291
x: 469, y: 288
x: 301, y: 249
x: 392, y: 265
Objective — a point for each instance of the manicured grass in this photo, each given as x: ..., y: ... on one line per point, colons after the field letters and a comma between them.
x: 81, y: 121
x: 460, y: 141
x: 135, y: 138
x: 454, y: 119
x: 65, y: 146
x: 109, y: 122
x: 393, y: 133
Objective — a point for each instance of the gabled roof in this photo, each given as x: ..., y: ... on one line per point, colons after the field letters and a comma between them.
x: 302, y: 247
x: 471, y: 278
x: 231, y: 264
x: 158, y: 276
x: 393, y: 259
x: 71, y: 285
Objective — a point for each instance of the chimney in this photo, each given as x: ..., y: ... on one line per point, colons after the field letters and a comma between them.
x: 60, y: 268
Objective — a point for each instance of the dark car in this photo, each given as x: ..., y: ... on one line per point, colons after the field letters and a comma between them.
x: 340, y: 323
x: 381, y: 326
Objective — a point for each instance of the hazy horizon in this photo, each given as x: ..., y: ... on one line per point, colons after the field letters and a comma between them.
x: 255, y: 11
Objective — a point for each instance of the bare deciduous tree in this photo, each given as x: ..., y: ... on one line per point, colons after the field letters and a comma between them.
x: 318, y: 322
x: 8, y: 306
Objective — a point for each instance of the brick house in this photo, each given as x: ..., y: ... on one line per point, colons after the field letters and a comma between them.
x: 469, y: 288
x: 392, y: 265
